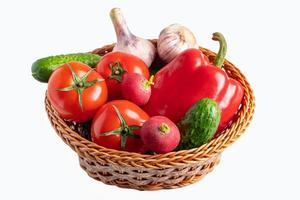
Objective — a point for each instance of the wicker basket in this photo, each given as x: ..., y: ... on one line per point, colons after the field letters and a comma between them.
x: 153, y: 172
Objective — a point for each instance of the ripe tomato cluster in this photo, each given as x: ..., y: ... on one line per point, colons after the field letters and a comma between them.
x: 80, y: 93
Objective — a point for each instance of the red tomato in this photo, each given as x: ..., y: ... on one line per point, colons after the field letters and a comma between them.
x: 76, y: 95
x: 118, y: 121
x: 112, y: 67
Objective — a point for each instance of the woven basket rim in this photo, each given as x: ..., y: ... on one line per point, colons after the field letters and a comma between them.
x: 211, y: 149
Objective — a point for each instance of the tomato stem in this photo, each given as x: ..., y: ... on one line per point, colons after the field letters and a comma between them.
x: 117, y: 71
x: 79, y: 84
x: 124, y: 131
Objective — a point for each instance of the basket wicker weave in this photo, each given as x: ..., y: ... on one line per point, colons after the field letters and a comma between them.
x: 162, y: 171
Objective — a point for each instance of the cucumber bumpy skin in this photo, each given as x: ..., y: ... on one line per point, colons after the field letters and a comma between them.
x: 199, y: 124
x: 42, y: 68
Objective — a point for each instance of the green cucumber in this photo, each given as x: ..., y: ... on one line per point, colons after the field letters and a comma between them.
x: 42, y: 68
x: 199, y: 124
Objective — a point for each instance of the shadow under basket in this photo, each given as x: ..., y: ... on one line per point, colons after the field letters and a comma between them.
x: 162, y: 171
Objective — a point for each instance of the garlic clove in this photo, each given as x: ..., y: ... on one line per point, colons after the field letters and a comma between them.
x: 173, y: 40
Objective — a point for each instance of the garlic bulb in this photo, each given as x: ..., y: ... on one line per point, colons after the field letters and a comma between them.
x: 129, y: 43
x: 173, y: 40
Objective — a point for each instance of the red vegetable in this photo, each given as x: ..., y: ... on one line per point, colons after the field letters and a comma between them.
x: 136, y: 88
x: 189, y: 78
x: 117, y: 126
x: 160, y: 134
x: 76, y: 91
x: 114, y: 65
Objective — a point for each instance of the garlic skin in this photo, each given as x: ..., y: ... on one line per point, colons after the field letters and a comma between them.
x: 173, y: 40
x: 129, y: 43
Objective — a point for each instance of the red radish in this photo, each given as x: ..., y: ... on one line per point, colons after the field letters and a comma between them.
x: 136, y: 88
x: 160, y: 134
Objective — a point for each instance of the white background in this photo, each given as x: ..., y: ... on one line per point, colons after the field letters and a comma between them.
x: 263, y: 41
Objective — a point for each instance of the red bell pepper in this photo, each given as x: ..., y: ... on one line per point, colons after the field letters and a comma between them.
x: 189, y: 78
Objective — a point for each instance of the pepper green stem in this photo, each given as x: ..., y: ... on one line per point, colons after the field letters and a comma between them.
x: 219, y: 60
x: 164, y: 128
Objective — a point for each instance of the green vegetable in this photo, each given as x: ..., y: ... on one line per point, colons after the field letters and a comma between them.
x: 199, y: 124
x: 43, y: 68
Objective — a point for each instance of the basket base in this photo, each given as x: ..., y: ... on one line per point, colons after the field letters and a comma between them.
x: 145, y: 179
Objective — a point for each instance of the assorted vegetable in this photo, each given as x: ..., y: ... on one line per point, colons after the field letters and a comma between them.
x: 136, y: 88
x: 173, y: 40
x: 159, y: 134
x: 76, y: 91
x: 199, y: 124
x: 117, y: 125
x: 117, y: 105
x: 129, y: 43
x: 42, y: 68
x: 189, y: 78
x: 114, y: 65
